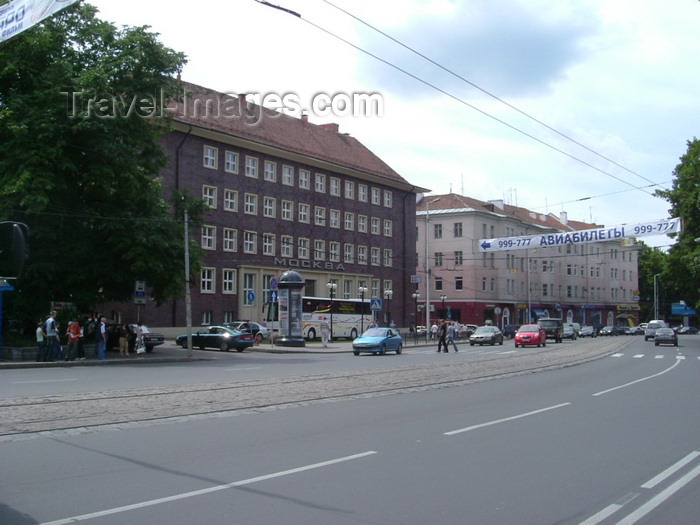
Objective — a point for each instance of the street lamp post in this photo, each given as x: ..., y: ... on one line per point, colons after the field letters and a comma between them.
x: 362, y: 290
x: 416, y: 296
x: 332, y: 287
x: 387, y: 296
x: 427, y: 266
x: 443, y: 298
x: 656, y: 297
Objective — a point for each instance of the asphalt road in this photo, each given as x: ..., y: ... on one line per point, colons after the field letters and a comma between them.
x: 612, y: 440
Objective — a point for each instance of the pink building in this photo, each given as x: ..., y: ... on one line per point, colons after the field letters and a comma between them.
x: 593, y: 284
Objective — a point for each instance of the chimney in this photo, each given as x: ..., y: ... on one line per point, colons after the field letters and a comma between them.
x: 563, y: 218
x: 243, y: 104
x: 304, y: 119
x: 331, y: 127
x: 498, y: 204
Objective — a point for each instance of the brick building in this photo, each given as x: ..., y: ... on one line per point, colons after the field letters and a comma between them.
x: 283, y: 194
x: 586, y: 283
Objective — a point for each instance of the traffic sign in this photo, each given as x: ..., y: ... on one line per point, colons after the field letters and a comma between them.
x: 660, y: 227
x: 273, y: 284
x: 251, y: 297
x: 274, y: 296
x: 375, y: 305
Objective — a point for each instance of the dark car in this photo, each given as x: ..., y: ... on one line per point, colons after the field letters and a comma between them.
x: 220, y: 337
x: 688, y: 330
x: 665, y: 336
x: 530, y: 334
x: 553, y: 327
x: 510, y: 330
x: 378, y: 341
x: 609, y: 330
x: 486, y: 335
x: 150, y: 339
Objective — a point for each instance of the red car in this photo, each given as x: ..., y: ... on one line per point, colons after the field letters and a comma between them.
x: 530, y: 334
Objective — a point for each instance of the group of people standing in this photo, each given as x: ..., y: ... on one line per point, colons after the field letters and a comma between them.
x: 49, y: 343
x: 445, y: 332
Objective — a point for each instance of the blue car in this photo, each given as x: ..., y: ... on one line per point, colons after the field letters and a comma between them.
x: 378, y: 341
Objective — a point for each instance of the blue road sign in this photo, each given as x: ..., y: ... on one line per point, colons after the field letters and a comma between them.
x: 274, y: 296
x: 251, y: 297
x: 375, y: 305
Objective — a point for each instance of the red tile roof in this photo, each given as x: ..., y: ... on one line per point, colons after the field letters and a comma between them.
x: 273, y: 128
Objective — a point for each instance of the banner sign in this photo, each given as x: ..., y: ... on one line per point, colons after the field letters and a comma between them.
x: 20, y: 15
x: 661, y: 227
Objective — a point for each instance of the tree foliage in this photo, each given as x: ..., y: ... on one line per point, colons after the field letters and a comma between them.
x: 682, y: 275
x: 84, y: 176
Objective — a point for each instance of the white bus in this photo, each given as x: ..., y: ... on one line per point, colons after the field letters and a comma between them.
x: 349, y: 317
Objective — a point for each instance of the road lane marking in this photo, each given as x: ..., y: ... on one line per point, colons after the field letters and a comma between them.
x: 176, y: 497
x: 43, y: 381
x: 670, y: 470
x: 240, y: 369
x: 496, y: 422
x: 602, y: 515
x: 638, y: 356
x: 660, y: 498
x: 636, y: 381
x: 659, y: 357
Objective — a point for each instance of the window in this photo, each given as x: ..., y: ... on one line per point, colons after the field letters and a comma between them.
x: 303, y: 213
x: 545, y: 290
x: 335, y: 186
x: 210, y: 157
x: 388, y: 228
x: 207, y: 280
x: 362, y: 223
x: 349, y: 189
x: 349, y: 253
x: 458, y: 229
x: 334, y: 251
x: 251, y: 167
x: 231, y: 165
x: 209, y: 237
x: 362, y: 254
x: 388, y: 198
x: 230, y: 200
x: 287, y: 210
x: 388, y: 258
x: 349, y: 221
x: 438, y: 258
x: 230, y: 240
x: 206, y: 318
x: 319, y: 216
x: 287, y: 246
x: 288, y: 175
x: 335, y: 219
x: 483, y: 284
x: 269, y: 207
x: 375, y: 196
x: 228, y: 281
x: 304, y: 179
x: 438, y: 284
x: 270, y: 171
x: 209, y: 196
x: 248, y: 287
x: 374, y: 256
x: 362, y: 192
x: 459, y: 283
x: 251, y: 204
x: 250, y: 242
x: 269, y: 244
x: 320, y: 183
x: 437, y: 231
x: 374, y: 226
x: 319, y: 250
x: 303, y: 248
x: 459, y: 258
x: 493, y: 284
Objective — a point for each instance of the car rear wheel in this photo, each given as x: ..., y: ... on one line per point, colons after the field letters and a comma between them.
x: 223, y: 347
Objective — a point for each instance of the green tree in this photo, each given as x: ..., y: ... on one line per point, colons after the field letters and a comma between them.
x: 79, y: 163
x: 682, y: 275
x: 652, y: 261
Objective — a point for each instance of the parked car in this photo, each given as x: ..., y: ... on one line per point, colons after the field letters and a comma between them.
x: 651, y: 328
x: 378, y: 341
x: 530, y: 334
x: 665, y: 336
x: 150, y: 339
x: 486, y: 334
x: 510, y: 330
x: 259, y: 331
x: 553, y: 327
x: 624, y: 330
x: 609, y: 330
x: 688, y: 330
x: 221, y: 337
x: 587, y: 331
x: 636, y: 330
x: 569, y: 332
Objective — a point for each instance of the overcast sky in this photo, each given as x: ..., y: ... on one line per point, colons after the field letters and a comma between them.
x: 621, y: 78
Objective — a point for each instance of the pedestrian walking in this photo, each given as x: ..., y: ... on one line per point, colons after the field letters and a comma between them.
x: 442, y: 336
x: 102, y: 338
x: 451, y: 336
x: 40, y: 342
x: 325, y: 332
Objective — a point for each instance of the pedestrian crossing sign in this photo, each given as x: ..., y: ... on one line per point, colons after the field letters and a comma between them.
x: 375, y: 305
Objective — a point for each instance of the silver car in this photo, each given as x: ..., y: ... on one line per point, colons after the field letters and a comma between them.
x: 486, y: 335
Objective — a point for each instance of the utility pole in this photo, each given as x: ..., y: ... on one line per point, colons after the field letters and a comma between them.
x: 188, y: 294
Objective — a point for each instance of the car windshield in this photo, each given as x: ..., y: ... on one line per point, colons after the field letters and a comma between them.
x: 530, y: 328
x: 664, y: 331
x: 375, y: 332
x: 547, y: 323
